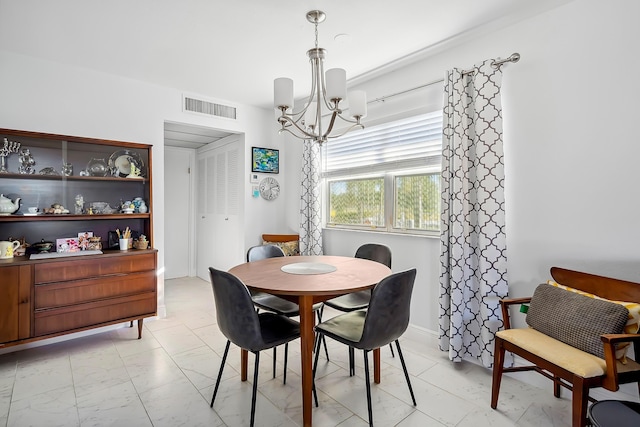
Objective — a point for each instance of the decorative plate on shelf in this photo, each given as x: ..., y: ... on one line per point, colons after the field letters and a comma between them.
x: 120, y: 163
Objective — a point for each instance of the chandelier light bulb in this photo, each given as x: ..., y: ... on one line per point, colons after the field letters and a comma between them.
x: 283, y: 93
x: 358, y: 104
x: 336, y: 79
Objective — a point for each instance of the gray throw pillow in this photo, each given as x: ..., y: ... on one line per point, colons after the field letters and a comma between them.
x: 575, y: 319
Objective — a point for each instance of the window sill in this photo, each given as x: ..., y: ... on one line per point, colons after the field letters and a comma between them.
x: 429, y: 235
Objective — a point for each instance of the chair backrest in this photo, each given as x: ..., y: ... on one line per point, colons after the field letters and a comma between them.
x: 235, y: 313
x: 259, y: 252
x: 388, y: 314
x: 375, y: 252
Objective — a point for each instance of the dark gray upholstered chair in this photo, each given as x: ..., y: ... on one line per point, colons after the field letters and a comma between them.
x: 273, y: 303
x: 382, y: 323
x: 360, y: 300
x: 245, y: 327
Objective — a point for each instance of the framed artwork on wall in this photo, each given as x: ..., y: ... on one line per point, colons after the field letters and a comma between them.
x: 265, y: 160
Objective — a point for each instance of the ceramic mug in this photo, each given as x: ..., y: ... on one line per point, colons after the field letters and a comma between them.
x: 124, y: 244
x: 7, y: 248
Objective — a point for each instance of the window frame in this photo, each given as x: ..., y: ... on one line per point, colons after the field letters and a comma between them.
x: 388, y: 172
x: 389, y: 204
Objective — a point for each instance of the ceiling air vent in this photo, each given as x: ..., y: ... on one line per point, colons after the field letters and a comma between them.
x: 210, y: 108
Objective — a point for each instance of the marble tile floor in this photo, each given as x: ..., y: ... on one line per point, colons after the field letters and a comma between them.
x: 167, y: 379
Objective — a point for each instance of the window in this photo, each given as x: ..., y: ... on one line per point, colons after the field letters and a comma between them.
x: 386, y: 177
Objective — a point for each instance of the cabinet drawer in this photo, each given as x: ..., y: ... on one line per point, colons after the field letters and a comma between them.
x: 94, y: 314
x: 83, y: 269
x: 61, y: 294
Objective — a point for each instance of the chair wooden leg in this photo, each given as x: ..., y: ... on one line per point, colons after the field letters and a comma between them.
x: 255, y: 388
x: 367, y: 383
x: 224, y: 360
x: 580, y: 399
x: 406, y: 373
x: 498, y: 367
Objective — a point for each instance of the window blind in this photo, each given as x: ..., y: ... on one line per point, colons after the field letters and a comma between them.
x: 408, y: 143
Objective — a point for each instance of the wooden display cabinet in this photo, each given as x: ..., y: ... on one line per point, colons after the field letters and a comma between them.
x: 42, y: 298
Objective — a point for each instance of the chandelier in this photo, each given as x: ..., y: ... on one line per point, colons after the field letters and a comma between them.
x: 327, y: 92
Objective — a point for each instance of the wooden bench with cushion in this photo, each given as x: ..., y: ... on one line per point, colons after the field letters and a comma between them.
x: 581, y: 327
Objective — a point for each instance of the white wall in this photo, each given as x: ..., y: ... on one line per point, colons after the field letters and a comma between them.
x: 49, y: 97
x: 571, y: 147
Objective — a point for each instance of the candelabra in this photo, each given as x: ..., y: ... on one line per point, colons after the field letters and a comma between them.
x: 8, y: 148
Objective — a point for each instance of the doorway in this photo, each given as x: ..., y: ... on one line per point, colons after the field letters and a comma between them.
x: 181, y: 142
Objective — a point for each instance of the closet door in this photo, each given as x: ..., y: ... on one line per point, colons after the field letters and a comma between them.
x: 218, y: 230
x: 178, y: 212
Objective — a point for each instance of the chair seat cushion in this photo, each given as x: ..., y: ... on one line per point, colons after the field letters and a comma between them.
x: 350, y: 302
x: 275, y: 304
x: 575, y: 319
x: 570, y: 358
x: 346, y: 328
x: 276, y: 330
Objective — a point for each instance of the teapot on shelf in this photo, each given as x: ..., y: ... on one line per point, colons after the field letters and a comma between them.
x: 7, y: 207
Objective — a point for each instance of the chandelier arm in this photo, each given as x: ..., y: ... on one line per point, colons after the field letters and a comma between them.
x: 285, y: 118
x: 323, y: 85
x: 287, y: 122
x: 345, y: 119
x: 349, y: 129
x: 317, y: 123
x: 311, y: 93
x: 304, y: 135
x: 331, y: 123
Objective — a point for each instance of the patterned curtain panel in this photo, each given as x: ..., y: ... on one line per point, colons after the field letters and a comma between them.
x: 473, y: 276
x: 310, y: 201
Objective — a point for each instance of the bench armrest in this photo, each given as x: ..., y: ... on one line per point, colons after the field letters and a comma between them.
x: 616, y: 338
x: 609, y: 341
x: 506, y: 303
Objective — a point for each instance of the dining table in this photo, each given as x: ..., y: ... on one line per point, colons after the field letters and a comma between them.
x: 308, y: 280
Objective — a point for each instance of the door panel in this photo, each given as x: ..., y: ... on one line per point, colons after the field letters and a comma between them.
x: 220, y: 235
x: 177, y: 214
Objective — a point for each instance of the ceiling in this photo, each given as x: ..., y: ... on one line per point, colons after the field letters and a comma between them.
x: 232, y: 50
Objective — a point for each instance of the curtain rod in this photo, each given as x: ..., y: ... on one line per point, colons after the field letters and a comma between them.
x: 515, y: 57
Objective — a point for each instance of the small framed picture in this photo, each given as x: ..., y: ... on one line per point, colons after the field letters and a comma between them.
x: 265, y: 160
x: 83, y: 239
x: 67, y: 244
x: 253, y: 178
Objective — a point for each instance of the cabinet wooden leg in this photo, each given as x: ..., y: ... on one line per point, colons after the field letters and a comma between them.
x: 139, y: 327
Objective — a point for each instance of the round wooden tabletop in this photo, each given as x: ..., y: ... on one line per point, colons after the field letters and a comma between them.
x: 350, y: 275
